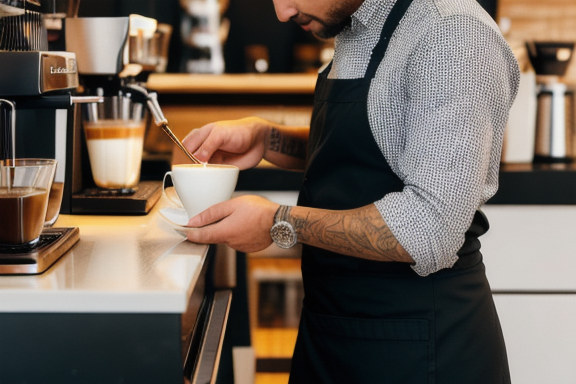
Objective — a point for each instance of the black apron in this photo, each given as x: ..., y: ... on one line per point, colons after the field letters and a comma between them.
x: 374, y: 322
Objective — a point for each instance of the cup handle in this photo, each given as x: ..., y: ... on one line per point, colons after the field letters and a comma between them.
x: 173, y: 198
x: 54, y: 203
x: 50, y: 221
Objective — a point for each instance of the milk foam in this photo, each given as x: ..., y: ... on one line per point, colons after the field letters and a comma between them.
x: 115, y: 162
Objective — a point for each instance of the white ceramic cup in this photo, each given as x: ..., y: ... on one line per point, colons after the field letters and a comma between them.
x: 200, y: 186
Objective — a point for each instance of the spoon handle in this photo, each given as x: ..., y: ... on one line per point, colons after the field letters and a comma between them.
x: 178, y: 143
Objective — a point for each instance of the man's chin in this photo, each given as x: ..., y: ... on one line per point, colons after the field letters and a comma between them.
x: 327, y: 33
x: 330, y: 31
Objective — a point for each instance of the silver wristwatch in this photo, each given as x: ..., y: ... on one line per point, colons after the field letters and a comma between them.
x: 282, y: 232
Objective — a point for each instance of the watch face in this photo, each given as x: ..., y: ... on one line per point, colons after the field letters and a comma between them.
x: 283, y: 235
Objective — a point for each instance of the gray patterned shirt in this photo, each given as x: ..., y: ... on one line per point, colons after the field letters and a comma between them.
x: 437, y: 109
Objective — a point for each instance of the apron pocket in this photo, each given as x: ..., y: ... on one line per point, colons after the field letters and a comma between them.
x: 379, y: 329
x: 359, y: 350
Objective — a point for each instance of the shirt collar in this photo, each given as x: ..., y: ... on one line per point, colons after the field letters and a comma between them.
x: 370, y: 10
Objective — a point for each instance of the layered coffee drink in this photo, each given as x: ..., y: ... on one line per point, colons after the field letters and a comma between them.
x: 23, y: 212
x: 115, y: 151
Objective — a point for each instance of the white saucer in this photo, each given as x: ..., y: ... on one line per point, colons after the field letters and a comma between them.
x: 177, y: 218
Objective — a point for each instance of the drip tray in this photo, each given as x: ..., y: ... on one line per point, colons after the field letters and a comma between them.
x: 54, y: 242
x: 118, y: 202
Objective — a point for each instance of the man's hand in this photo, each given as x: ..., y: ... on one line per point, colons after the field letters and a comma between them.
x: 237, y: 142
x: 242, y: 223
x: 245, y: 142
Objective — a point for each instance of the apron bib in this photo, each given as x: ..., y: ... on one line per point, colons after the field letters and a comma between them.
x: 372, y: 322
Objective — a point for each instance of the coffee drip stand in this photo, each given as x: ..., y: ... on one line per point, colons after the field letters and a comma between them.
x: 53, y: 244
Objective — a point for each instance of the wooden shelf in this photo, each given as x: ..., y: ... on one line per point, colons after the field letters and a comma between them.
x: 233, y: 83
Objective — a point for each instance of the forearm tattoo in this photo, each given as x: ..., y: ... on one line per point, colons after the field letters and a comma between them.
x: 361, y: 233
x: 287, y: 145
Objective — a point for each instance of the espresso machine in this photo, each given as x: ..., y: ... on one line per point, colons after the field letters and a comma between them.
x: 115, y: 56
x: 37, y: 119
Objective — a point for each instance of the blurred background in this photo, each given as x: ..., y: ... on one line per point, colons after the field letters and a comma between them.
x: 250, y: 31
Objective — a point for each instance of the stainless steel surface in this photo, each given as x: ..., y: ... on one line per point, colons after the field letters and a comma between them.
x: 54, y: 243
x: 555, y: 124
x: 149, y: 48
x: 23, y: 32
x: 160, y: 120
x: 86, y: 99
x: 99, y: 43
x: 8, y: 135
x: 152, y: 102
x: 36, y: 72
x: 121, y: 106
x: 209, y: 356
x: 108, y: 45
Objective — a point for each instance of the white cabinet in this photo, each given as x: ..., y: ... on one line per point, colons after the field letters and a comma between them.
x: 530, y: 247
x: 540, y: 334
x: 530, y: 257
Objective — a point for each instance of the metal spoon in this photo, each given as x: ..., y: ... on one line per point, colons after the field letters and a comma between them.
x: 178, y: 143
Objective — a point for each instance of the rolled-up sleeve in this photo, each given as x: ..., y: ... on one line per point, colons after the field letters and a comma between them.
x: 458, y: 88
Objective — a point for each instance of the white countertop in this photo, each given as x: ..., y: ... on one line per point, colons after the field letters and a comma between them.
x: 121, y: 264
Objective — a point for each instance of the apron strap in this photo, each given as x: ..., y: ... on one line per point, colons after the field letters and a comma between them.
x: 396, y: 14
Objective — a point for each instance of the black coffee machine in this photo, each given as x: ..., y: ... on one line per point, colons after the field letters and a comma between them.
x: 42, y: 86
x: 37, y: 118
x: 99, y: 57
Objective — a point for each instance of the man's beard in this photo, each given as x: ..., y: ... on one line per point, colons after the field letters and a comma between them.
x: 331, y: 30
x: 337, y: 19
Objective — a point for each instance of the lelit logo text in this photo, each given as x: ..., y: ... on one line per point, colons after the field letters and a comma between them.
x: 60, y: 70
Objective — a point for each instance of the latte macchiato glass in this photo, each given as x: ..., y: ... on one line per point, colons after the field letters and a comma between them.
x: 199, y: 186
x: 24, y: 192
x: 114, y: 132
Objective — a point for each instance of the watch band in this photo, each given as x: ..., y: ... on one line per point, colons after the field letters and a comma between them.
x: 282, y: 213
x: 278, y: 213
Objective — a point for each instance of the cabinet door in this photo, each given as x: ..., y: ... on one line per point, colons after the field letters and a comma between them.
x: 530, y: 248
x: 540, y: 334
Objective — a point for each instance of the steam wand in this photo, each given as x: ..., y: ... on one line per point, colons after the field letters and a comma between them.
x: 159, y: 119
x: 9, y: 136
x: 8, y: 146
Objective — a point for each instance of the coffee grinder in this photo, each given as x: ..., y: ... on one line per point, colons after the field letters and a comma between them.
x: 37, y: 120
x: 113, y: 55
x: 555, y: 117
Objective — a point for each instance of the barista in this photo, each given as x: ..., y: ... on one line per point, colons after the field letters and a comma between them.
x: 402, y: 151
